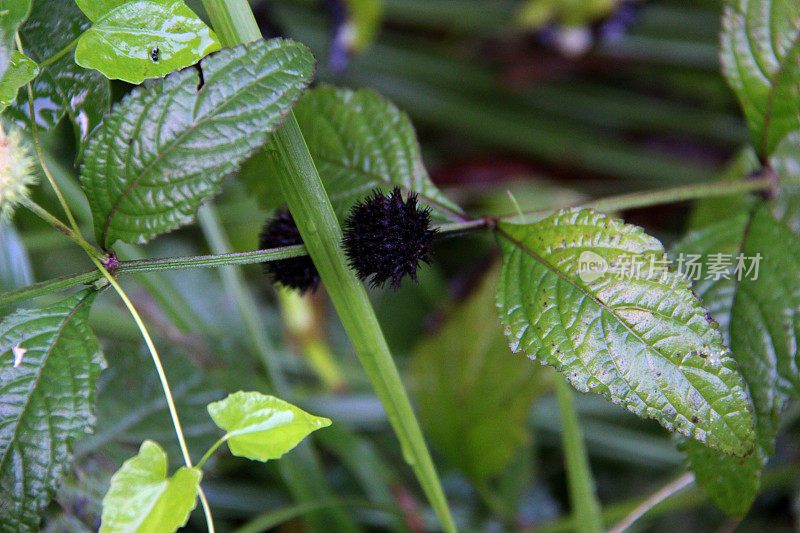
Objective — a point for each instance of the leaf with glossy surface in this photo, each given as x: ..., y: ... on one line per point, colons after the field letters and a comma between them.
x: 12, y: 14
x: 21, y: 69
x: 262, y: 427
x: 474, y: 395
x: 763, y: 307
x: 144, y: 39
x: 61, y: 88
x: 143, y: 181
x: 569, y: 297
x: 142, y: 499
x: 49, y: 363
x: 761, y: 60
x: 359, y: 141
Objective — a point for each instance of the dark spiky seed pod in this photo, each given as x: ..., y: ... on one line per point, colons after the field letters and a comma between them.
x: 385, y: 238
x: 296, y: 272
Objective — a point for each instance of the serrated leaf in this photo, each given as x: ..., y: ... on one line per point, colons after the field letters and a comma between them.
x: 21, y: 69
x: 49, y: 362
x: 142, y: 499
x: 143, y: 181
x: 262, y: 427
x: 474, y: 396
x: 61, y: 87
x: 359, y: 141
x: 763, y: 309
x: 642, y: 340
x: 142, y: 39
x: 761, y: 60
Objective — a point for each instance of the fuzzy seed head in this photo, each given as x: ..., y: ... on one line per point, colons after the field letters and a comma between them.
x: 296, y: 272
x: 16, y: 172
x: 385, y: 237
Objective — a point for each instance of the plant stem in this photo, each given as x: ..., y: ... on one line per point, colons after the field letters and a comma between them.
x: 45, y: 215
x: 162, y: 376
x: 235, y: 284
x: 309, y: 204
x: 58, y: 55
x: 626, y: 201
x: 37, y: 146
x: 211, y: 450
x: 585, y: 506
x: 659, y: 496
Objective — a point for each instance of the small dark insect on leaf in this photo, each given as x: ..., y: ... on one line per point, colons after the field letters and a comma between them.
x: 155, y: 54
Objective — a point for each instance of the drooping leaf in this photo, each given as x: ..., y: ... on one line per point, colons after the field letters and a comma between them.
x: 143, y: 39
x: 360, y: 141
x: 761, y: 60
x: 596, y: 298
x: 21, y: 69
x: 262, y: 427
x: 763, y: 306
x: 142, y: 499
x: 62, y: 87
x: 143, y: 181
x: 474, y: 395
x: 49, y: 362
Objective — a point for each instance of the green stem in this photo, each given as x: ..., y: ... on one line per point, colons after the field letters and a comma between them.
x: 76, y: 237
x: 585, y: 505
x: 309, y: 204
x: 58, y: 55
x: 211, y: 450
x: 162, y: 376
x: 235, y: 284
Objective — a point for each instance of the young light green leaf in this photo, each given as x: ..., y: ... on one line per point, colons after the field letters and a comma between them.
x: 61, y: 88
x: 143, y: 181
x: 474, y: 396
x: 143, y: 39
x: 141, y: 499
x: 21, y: 69
x: 49, y: 363
x: 571, y: 295
x: 761, y: 60
x: 762, y: 305
x: 360, y: 141
x: 262, y: 427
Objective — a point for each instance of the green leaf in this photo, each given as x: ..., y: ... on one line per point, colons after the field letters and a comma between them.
x: 568, y: 297
x: 262, y: 427
x: 761, y: 60
x: 763, y: 309
x: 21, y: 70
x: 360, y: 141
x: 143, y: 39
x: 474, y: 396
x: 49, y: 362
x: 61, y: 87
x: 144, y: 180
x: 142, y: 499
x: 12, y: 14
